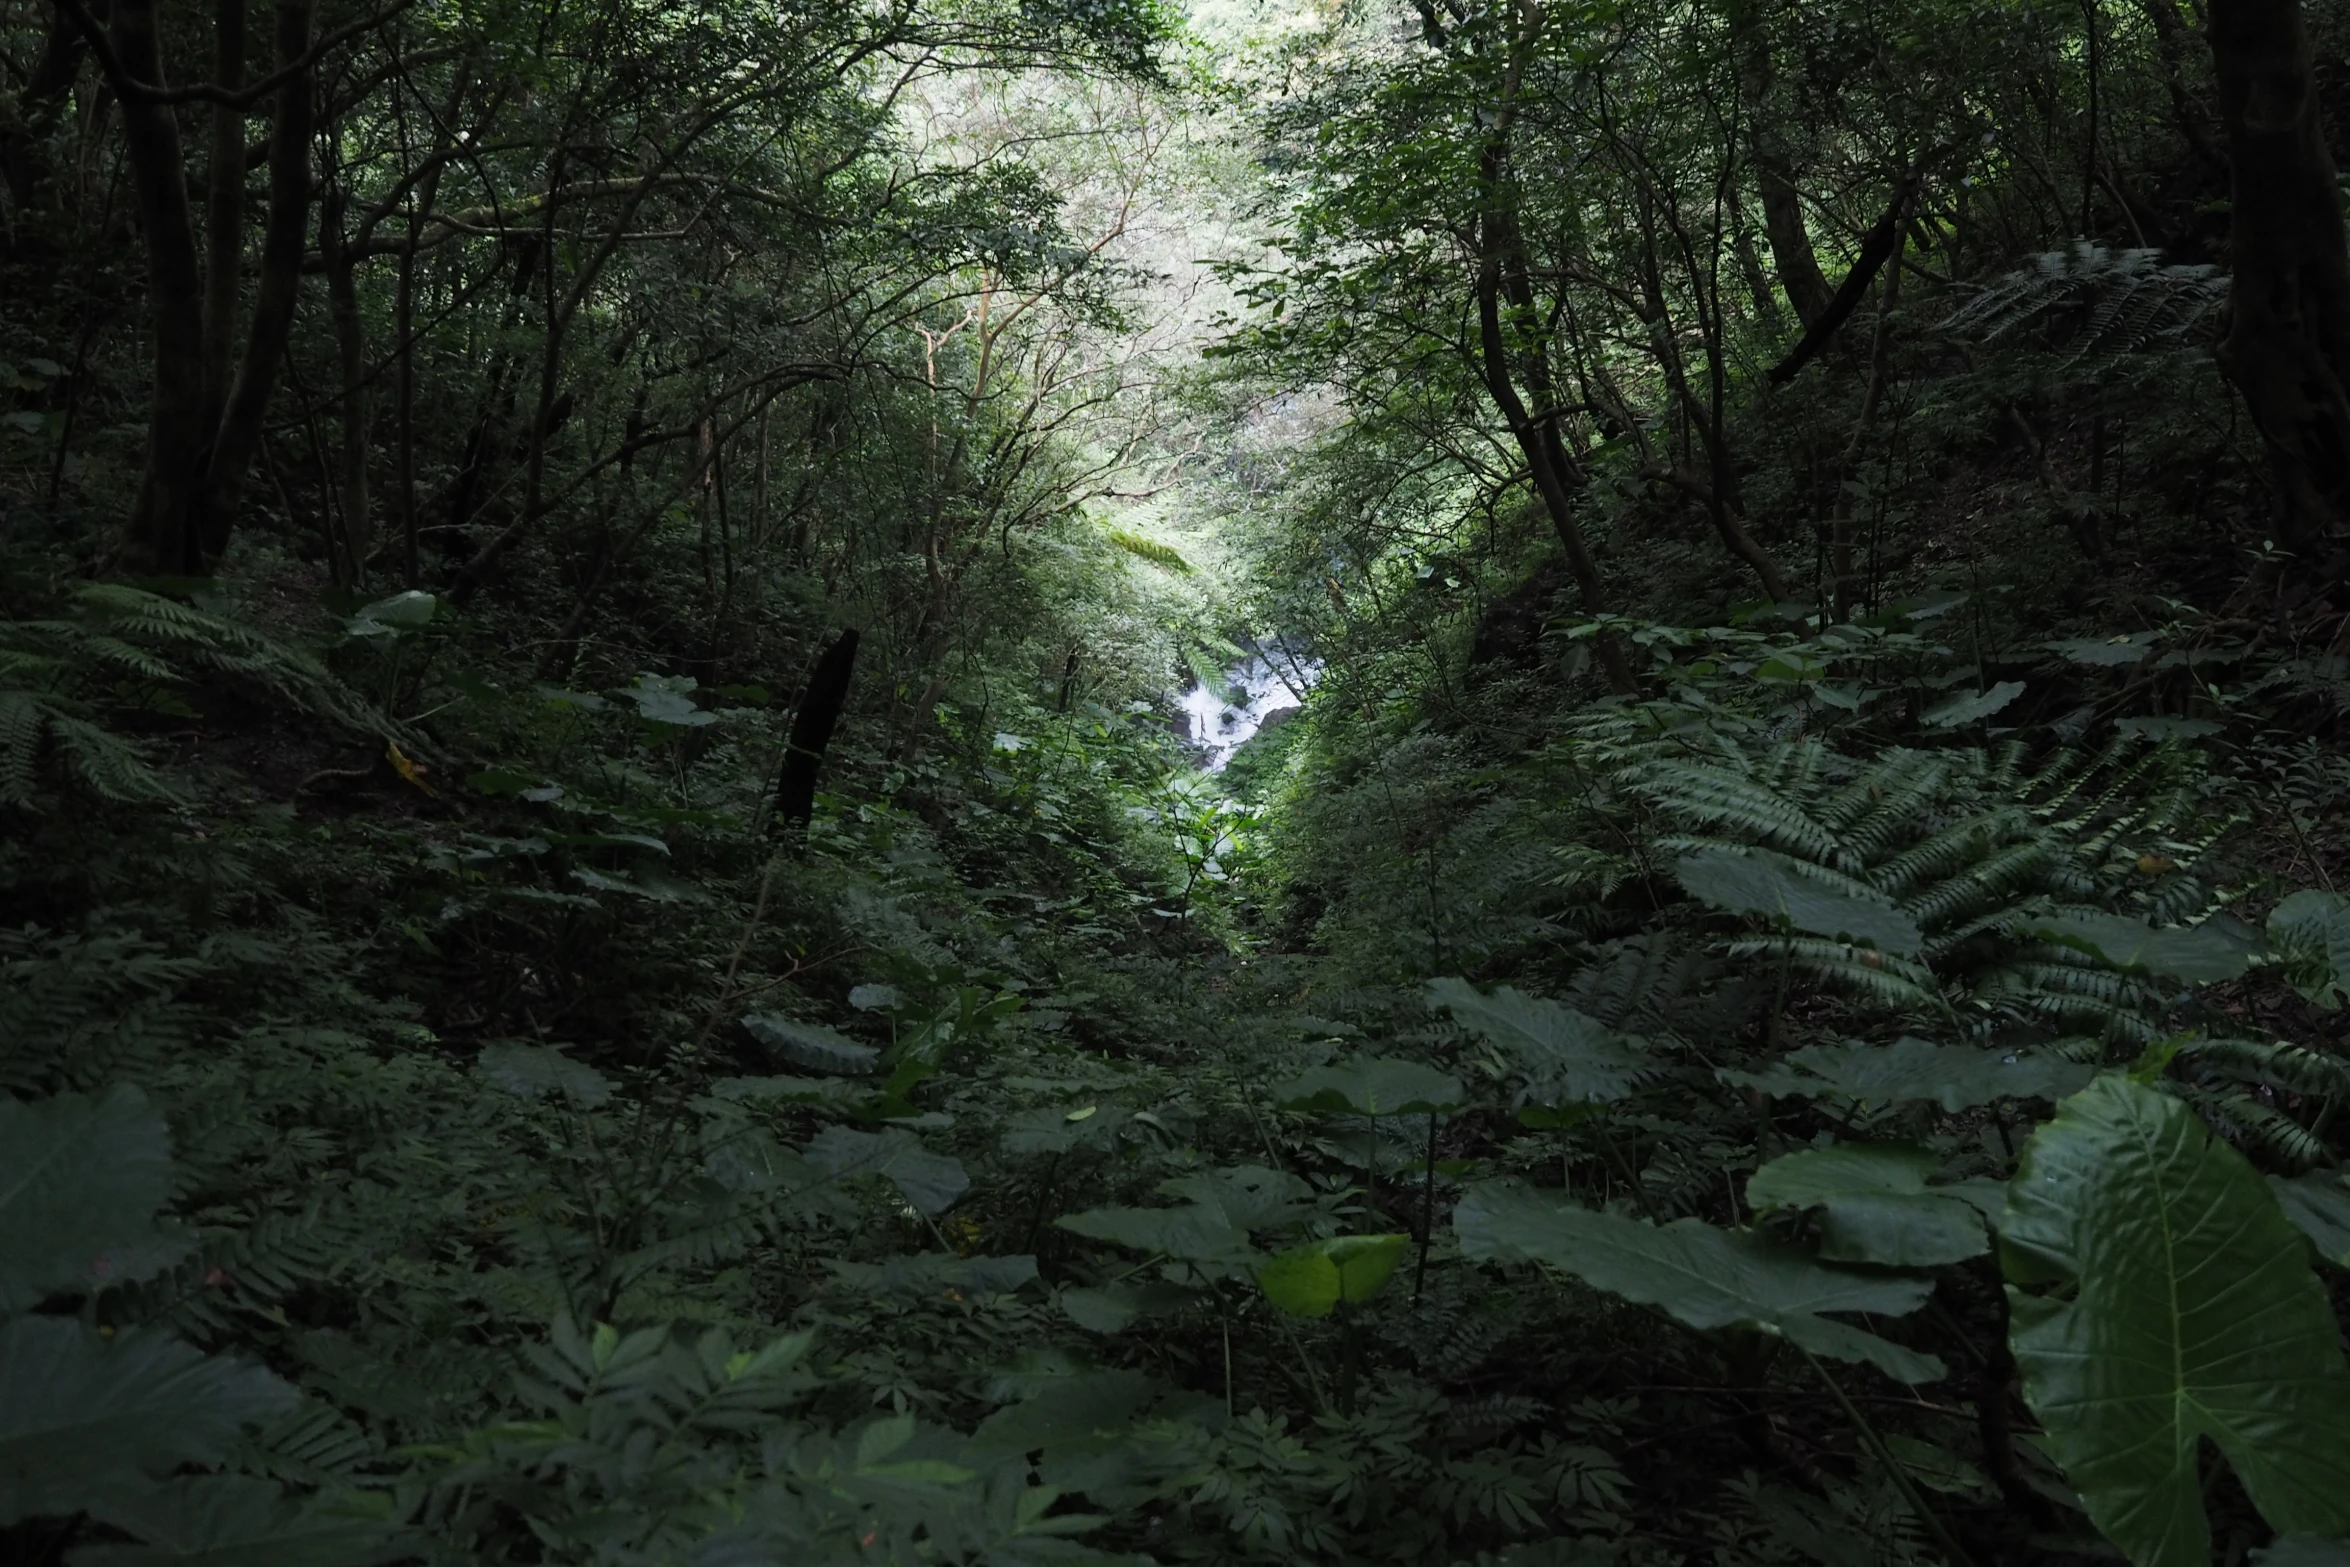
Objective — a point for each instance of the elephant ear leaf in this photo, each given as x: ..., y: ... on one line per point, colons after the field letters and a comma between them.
x: 1873, y: 1204
x: 1314, y: 1279
x: 86, y: 1420
x: 1571, y: 1058
x: 80, y: 1182
x: 2184, y: 1308
x: 1770, y: 886
x: 1956, y: 1077
x: 2318, y: 1203
x: 1704, y: 1277
x: 1375, y: 1085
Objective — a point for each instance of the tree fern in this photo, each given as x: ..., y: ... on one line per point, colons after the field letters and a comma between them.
x: 2099, y: 301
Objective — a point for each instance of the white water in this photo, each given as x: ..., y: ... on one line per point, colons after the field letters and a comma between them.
x: 1271, y: 684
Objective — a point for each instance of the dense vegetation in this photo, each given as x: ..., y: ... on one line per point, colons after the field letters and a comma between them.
x: 611, y: 949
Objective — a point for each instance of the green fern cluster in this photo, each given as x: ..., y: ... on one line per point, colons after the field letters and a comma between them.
x: 1967, y: 843
x: 123, y: 649
x: 2104, y: 301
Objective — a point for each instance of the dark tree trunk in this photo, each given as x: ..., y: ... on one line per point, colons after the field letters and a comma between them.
x: 283, y: 239
x: 811, y: 730
x: 1792, y: 256
x: 158, y: 534
x: 203, y: 427
x: 1877, y: 245
x: 2287, y: 346
x: 224, y: 211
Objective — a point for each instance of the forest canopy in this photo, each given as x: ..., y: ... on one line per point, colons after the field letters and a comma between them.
x: 1089, y: 783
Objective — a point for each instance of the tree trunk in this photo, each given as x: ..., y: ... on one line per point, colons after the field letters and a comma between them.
x: 1792, y: 255
x: 283, y: 239
x: 224, y: 211
x: 342, y: 295
x: 2287, y: 346
x: 159, y: 536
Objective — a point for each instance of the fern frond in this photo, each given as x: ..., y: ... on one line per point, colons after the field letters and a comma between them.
x: 2270, y: 1063
x: 23, y: 718
x: 1901, y: 796
x: 1948, y: 851
x: 1746, y: 806
x: 2239, y: 1116
x: 1149, y: 549
x: 2106, y: 301
x: 1996, y: 881
x: 1890, y: 981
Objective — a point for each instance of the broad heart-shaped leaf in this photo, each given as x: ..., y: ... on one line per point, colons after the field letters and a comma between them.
x: 1768, y: 884
x: 1245, y: 1196
x: 1705, y: 1277
x: 1310, y: 1281
x: 2192, y: 1314
x: 1571, y: 1058
x: 2196, y: 954
x: 80, y: 1182
x: 1212, y: 1227
x: 239, y: 1521
x: 2312, y: 931
x: 804, y: 1044
x: 1372, y: 1085
x: 1956, y: 1077
x: 930, y: 1181
x: 2319, y: 1206
x: 662, y: 699
x: 534, y: 1071
x: 1874, y: 1205
x: 84, y: 1420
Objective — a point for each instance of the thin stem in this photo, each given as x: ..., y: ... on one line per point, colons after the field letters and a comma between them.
x: 1902, y: 1479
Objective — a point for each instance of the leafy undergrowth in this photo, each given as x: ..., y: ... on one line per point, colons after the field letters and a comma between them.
x: 1623, y: 1141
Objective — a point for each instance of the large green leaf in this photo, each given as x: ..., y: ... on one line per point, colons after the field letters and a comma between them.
x: 1956, y: 1077
x: 80, y: 1182
x: 1190, y: 1232
x: 83, y: 1419
x: 2318, y: 1203
x: 2184, y: 1310
x: 2195, y: 954
x: 1244, y: 1196
x: 1873, y: 1204
x: 1705, y: 1277
x: 1758, y: 882
x: 1372, y: 1085
x: 1571, y: 1058
x: 929, y: 1181
x: 1311, y: 1280
x: 2311, y: 930
x: 1973, y: 707
x: 1213, y: 1225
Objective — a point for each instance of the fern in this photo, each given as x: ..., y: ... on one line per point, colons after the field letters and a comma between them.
x: 1150, y: 549
x: 124, y: 648
x: 2100, y: 301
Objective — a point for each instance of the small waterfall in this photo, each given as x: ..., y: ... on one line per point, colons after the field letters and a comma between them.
x: 1269, y: 686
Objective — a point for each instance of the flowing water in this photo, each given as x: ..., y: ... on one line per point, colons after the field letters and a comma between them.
x: 1266, y: 689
